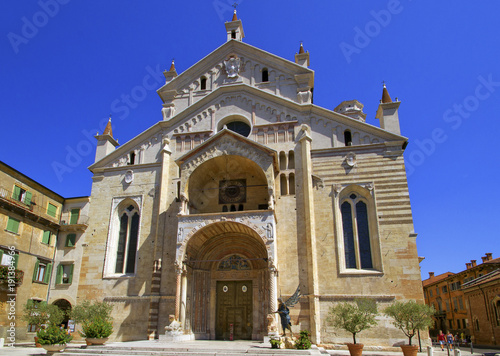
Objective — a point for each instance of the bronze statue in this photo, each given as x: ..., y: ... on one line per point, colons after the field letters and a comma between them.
x: 284, y: 311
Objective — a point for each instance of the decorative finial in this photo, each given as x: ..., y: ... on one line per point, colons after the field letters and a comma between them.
x: 386, y: 98
x: 235, y: 18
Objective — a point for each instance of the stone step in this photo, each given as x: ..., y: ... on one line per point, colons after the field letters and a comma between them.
x: 179, y: 351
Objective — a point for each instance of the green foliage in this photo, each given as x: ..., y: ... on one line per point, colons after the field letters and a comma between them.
x: 42, y: 313
x: 95, y: 318
x: 97, y: 329
x: 303, y: 342
x: 275, y: 343
x: 410, y: 316
x: 4, y: 276
x: 353, y: 317
x: 53, y: 335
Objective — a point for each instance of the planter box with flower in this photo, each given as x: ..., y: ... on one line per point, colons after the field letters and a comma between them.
x: 95, y: 319
x: 15, y: 278
x: 410, y: 317
x: 354, y: 317
x: 53, y: 338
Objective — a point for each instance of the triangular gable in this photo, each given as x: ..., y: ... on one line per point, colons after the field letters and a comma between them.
x: 245, y: 50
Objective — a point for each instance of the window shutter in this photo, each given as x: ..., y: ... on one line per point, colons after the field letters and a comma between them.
x: 46, y: 237
x: 75, y: 213
x: 48, y: 271
x: 1, y: 256
x: 70, y: 276
x: 16, y: 193
x: 13, y: 225
x: 59, y: 275
x: 36, y: 270
x: 51, y: 210
x: 16, y: 258
x: 27, y: 198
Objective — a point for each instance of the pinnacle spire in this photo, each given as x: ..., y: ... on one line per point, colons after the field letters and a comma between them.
x: 172, y: 67
x: 108, y: 130
x: 235, y: 18
x: 386, y: 98
x: 301, y: 49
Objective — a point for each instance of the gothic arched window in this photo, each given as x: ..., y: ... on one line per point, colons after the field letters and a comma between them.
x: 127, y: 240
x: 358, y: 241
x: 357, y: 247
x: 123, y: 238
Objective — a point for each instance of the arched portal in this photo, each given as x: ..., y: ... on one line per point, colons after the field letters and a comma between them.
x: 225, y: 291
x: 65, y: 306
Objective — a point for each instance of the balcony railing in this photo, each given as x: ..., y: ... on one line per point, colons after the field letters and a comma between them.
x: 67, y: 219
x: 29, y: 203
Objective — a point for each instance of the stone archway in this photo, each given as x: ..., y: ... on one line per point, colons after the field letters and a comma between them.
x: 218, y: 258
x: 65, y: 306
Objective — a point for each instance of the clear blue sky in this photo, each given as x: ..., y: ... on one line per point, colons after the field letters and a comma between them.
x: 65, y: 65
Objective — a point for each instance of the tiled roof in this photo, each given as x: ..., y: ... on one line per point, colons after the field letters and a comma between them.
x: 488, y: 277
x: 437, y: 278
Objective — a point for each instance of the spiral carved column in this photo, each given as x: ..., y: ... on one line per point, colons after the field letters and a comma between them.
x: 178, y: 293
x: 273, y: 289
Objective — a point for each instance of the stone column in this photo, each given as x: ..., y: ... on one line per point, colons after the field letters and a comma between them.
x: 183, y: 305
x: 178, y: 293
x: 310, y: 233
x: 273, y: 289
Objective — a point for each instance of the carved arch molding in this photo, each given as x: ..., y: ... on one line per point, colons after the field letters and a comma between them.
x: 228, y: 146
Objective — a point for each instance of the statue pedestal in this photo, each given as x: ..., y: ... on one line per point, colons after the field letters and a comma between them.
x: 289, y: 342
x: 174, y: 336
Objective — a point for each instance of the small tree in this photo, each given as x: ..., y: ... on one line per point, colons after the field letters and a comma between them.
x: 41, y: 313
x: 95, y: 318
x: 410, y: 316
x: 353, y: 317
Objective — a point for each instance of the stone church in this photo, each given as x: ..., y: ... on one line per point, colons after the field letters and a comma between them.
x: 243, y: 191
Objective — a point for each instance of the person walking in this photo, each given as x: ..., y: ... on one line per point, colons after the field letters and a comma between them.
x: 441, y: 339
x: 449, y: 339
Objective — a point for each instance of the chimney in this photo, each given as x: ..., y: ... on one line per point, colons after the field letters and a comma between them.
x: 468, y: 265
x: 431, y: 274
x: 484, y: 258
x: 489, y: 256
x: 473, y: 263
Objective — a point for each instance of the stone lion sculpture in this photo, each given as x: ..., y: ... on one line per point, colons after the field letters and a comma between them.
x: 272, y: 328
x: 175, y: 327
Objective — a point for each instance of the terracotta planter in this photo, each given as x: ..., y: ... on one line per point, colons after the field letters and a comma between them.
x: 409, y: 350
x: 355, y: 349
x: 54, y: 348
x: 92, y: 341
x: 36, y: 342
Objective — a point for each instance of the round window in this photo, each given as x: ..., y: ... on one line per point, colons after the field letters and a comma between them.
x: 239, y: 127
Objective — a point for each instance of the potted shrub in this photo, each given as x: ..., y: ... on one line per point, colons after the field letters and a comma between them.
x: 95, y: 319
x: 354, y: 318
x: 303, y: 342
x: 41, y: 313
x: 275, y: 342
x: 53, y: 338
x: 410, y: 317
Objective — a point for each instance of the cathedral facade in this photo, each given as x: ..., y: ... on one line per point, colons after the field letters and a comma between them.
x: 244, y: 191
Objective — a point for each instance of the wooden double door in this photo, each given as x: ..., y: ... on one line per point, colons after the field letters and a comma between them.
x: 234, y: 310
